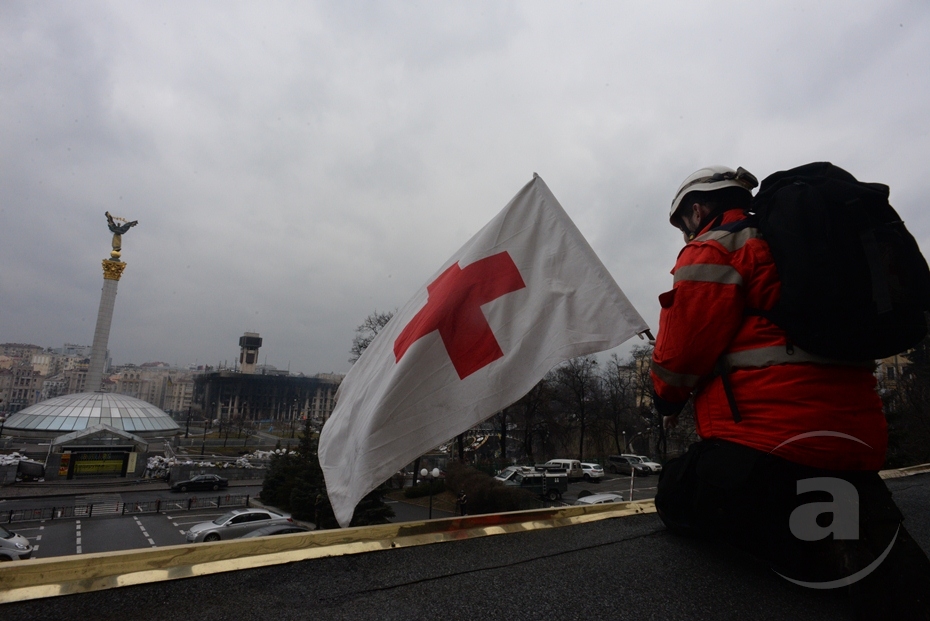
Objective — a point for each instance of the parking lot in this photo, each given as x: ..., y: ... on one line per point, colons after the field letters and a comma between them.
x: 107, y: 534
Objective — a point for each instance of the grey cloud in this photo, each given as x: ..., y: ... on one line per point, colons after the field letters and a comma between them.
x: 295, y: 166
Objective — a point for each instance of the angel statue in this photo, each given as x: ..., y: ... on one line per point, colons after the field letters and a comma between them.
x: 118, y: 230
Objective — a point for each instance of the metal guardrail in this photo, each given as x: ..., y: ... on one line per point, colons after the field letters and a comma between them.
x: 110, y: 509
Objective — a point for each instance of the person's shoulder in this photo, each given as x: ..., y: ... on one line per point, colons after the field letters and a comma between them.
x: 735, y: 231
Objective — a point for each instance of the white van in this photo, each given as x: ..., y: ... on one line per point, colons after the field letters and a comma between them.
x: 572, y: 467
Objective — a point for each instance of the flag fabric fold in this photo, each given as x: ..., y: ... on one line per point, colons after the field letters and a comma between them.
x: 524, y: 294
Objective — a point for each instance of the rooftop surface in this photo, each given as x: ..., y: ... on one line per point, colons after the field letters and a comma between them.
x: 622, y: 567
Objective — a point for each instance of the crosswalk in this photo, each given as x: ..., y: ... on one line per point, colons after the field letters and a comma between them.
x: 99, y: 504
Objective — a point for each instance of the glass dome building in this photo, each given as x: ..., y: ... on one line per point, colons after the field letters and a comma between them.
x: 61, y: 415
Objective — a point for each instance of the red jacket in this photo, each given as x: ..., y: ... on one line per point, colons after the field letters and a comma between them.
x: 781, y: 393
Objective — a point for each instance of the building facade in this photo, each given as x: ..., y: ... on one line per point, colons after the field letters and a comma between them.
x: 230, y: 396
x: 20, y: 387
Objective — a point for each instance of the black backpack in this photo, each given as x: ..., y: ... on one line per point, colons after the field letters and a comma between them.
x: 854, y: 285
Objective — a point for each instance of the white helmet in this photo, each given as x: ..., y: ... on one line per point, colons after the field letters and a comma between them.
x: 709, y: 179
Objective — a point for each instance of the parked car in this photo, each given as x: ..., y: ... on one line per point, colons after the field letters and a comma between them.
x: 235, y: 524
x: 599, y: 499
x: 201, y: 482
x: 13, y: 547
x: 653, y: 466
x: 592, y: 472
x: 627, y: 464
x: 276, y: 529
x: 572, y: 467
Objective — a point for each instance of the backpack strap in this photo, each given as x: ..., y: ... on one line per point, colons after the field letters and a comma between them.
x: 723, y: 371
x: 881, y: 294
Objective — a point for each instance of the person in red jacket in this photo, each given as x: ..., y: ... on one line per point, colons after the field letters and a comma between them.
x: 785, y: 435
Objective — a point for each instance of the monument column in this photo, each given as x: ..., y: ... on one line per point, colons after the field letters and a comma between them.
x: 112, y: 270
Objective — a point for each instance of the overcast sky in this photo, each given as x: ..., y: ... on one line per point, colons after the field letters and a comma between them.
x: 295, y: 166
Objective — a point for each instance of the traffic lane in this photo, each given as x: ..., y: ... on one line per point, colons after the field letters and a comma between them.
x: 109, y: 535
x: 233, y: 490
x: 67, y: 537
x: 58, y: 539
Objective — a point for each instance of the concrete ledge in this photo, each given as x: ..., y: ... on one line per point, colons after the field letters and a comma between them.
x: 38, y: 578
x: 904, y: 472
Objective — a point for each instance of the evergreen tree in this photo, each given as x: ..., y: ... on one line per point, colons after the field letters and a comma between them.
x: 295, y: 484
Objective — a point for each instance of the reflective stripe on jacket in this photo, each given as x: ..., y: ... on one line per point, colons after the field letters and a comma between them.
x: 781, y: 392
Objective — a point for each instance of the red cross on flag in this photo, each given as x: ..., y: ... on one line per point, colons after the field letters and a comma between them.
x: 524, y: 294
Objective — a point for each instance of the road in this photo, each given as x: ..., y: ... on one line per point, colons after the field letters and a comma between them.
x: 102, y: 533
x: 65, y: 537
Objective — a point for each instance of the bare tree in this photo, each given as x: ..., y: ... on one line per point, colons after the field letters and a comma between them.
x: 366, y: 333
x: 620, y: 413
x: 532, y: 413
x: 578, y: 385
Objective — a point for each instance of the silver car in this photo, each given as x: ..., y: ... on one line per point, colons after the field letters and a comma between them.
x: 13, y: 547
x: 599, y: 499
x: 235, y: 524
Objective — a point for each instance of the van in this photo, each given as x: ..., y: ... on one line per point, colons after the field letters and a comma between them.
x: 572, y: 467
x: 13, y: 547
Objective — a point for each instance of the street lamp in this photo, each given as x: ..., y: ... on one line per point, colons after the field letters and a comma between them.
x: 432, y: 475
x: 203, y: 442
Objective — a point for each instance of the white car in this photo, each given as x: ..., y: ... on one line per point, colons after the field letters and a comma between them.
x: 599, y: 499
x: 654, y: 467
x: 592, y: 472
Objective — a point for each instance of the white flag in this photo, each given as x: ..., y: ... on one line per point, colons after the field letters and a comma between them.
x: 524, y: 294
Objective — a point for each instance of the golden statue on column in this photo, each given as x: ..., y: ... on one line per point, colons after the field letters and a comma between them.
x: 118, y: 230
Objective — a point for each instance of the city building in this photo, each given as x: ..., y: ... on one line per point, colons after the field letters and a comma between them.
x: 232, y: 396
x: 20, y: 387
